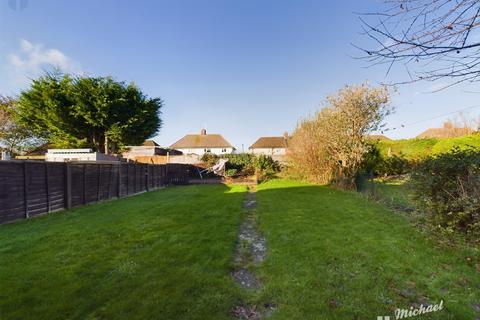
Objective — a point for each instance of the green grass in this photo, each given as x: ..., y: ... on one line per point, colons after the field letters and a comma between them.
x: 168, y: 254
x: 159, y: 255
x: 415, y: 149
x: 394, y: 193
x: 336, y: 255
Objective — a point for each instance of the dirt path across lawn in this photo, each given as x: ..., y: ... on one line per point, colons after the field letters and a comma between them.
x: 250, y: 252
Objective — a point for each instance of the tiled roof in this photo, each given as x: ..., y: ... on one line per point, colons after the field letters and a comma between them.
x: 201, y: 141
x: 445, y: 132
x: 269, y: 142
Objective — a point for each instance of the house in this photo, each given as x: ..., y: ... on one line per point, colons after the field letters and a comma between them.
x: 272, y: 146
x: 203, y: 143
x: 449, y: 130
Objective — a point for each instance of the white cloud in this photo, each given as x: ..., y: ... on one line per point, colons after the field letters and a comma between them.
x: 32, y: 59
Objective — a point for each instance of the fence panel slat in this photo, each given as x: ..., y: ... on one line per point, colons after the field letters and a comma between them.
x: 30, y: 188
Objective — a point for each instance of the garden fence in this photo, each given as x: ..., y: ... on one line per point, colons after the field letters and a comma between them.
x: 31, y: 188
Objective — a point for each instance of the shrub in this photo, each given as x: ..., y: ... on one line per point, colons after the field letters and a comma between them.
x: 231, y: 172
x: 376, y: 164
x: 242, y: 162
x: 447, y: 187
x: 393, y: 165
x: 266, y: 166
x: 209, y: 158
x: 330, y: 146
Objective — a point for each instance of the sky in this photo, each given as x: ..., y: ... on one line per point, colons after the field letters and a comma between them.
x: 241, y: 68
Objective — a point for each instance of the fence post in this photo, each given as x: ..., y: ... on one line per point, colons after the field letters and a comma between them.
x: 110, y: 175
x: 84, y: 182
x: 68, y: 186
x: 119, y: 180
x: 46, y: 186
x: 99, y: 180
x: 128, y: 172
x: 147, y: 175
x: 25, y: 190
x: 136, y: 178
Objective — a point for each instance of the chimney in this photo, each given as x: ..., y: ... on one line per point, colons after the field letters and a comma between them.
x: 285, y: 135
x: 203, y: 132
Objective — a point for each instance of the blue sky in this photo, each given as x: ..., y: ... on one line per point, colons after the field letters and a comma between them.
x: 237, y: 67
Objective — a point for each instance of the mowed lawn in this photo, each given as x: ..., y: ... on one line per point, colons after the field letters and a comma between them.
x: 336, y: 255
x: 168, y: 254
x: 159, y: 255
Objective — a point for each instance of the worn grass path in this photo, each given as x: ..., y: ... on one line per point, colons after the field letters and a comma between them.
x: 335, y: 255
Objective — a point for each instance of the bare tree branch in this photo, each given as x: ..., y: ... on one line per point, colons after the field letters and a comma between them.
x: 433, y: 35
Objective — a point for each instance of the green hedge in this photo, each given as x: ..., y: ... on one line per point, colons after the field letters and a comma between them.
x: 447, y: 188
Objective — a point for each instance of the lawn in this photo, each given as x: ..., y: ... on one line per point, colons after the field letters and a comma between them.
x: 336, y: 255
x: 159, y: 255
x: 168, y: 254
x: 394, y: 193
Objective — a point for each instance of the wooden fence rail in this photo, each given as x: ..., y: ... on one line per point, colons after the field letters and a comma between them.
x: 30, y: 188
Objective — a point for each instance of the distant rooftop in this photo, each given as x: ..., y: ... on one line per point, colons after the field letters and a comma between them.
x: 269, y: 143
x: 379, y: 137
x: 449, y: 130
x: 202, y: 140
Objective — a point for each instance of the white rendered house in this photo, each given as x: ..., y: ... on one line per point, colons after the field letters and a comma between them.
x: 203, y: 143
x: 271, y: 146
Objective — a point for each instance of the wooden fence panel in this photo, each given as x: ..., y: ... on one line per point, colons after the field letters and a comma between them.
x: 37, y: 200
x: 123, y: 179
x: 130, y: 178
x: 56, y: 185
x: 77, y: 184
x: 12, y: 202
x: 30, y: 188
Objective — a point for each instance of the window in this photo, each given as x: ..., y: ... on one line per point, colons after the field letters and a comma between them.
x: 224, y: 150
x: 207, y: 150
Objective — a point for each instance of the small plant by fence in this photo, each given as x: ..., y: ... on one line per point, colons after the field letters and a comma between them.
x: 31, y: 188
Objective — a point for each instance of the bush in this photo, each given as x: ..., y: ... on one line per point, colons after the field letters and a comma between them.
x: 242, y: 162
x: 209, y: 158
x: 375, y: 164
x: 266, y: 166
x: 231, y: 172
x: 330, y: 146
x: 393, y: 165
x: 447, y: 187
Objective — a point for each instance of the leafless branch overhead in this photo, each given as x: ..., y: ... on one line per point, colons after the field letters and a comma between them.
x: 434, y: 38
